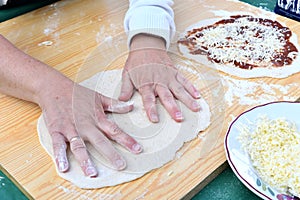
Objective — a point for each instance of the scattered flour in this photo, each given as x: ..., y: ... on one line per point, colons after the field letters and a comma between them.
x: 221, y: 13
x: 102, y: 34
x: 45, y: 43
x: 100, y: 38
x: 117, y: 195
x: 47, y: 31
x: 52, y: 19
x: 248, y: 92
x: 170, y: 173
x: 262, y: 12
x: 88, y: 194
x: 66, y: 190
x: 142, y: 196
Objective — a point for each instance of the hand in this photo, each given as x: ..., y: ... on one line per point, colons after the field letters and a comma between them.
x: 150, y: 70
x: 72, y: 113
x: 76, y: 114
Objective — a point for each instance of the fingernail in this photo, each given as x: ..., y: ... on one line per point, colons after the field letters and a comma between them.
x: 91, y: 171
x: 121, y: 105
x: 178, y: 115
x: 120, y: 164
x: 196, y: 105
x: 62, y: 166
x: 154, y: 117
x: 89, y: 168
x: 197, y: 94
x: 137, y: 148
x: 126, y: 103
x: 130, y: 103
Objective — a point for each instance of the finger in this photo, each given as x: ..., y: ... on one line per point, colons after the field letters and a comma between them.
x: 112, y: 105
x: 180, y: 93
x: 169, y: 103
x: 190, y: 88
x: 79, y: 150
x: 116, y: 134
x: 105, y: 148
x: 149, y: 100
x: 126, y: 88
x: 60, y: 151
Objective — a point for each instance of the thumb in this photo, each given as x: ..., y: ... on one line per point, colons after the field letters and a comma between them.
x: 115, y: 106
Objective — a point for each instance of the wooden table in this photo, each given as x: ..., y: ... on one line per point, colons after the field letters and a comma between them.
x: 75, y: 29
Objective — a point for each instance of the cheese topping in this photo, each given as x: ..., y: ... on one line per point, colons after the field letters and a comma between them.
x: 274, y: 149
x: 243, y: 41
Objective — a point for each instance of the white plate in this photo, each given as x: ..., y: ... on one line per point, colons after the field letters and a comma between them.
x: 238, y: 158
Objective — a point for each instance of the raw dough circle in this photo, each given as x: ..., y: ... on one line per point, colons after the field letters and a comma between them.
x: 160, y: 141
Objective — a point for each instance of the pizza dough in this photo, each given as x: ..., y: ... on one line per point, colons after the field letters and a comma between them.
x: 255, y: 45
x: 160, y: 141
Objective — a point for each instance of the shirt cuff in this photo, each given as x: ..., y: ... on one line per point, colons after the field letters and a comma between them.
x: 3, y: 2
x: 150, y: 21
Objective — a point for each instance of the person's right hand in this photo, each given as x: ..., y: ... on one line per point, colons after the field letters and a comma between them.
x: 75, y: 114
x: 150, y: 71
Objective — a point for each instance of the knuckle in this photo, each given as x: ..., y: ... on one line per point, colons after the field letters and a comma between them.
x: 100, y: 141
x: 55, y: 135
x: 146, y: 87
x: 178, y: 89
x: 181, y: 78
x: 114, y: 129
x: 59, y: 146
x: 60, y: 152
x: 185, y: 81
x: 148, y: 98
x: 167, y: 97
x: 191, y: 102
x: 100, y: 114
x: 58, y: 142
x: 78, y: 146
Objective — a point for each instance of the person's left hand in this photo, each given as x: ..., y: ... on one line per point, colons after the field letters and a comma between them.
x: 150, y: 70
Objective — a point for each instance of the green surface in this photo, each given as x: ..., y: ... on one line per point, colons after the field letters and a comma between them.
x: 225, y: 187
x: 9, y: 13
x: 8, y: 191
x: 264, y: 4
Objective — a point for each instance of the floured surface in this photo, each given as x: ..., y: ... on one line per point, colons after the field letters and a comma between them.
x: 244, y: 92
x: 245, y: 47
x: 21, y: 153
x: 160, y: 141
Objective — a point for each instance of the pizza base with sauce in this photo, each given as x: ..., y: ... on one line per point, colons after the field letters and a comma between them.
x: 243, y: 46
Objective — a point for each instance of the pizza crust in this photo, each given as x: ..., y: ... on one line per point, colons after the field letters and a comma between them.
x: 230, y: 69
x: 160, y: 141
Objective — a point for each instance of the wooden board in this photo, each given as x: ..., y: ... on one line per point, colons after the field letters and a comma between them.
x: 75, y: 29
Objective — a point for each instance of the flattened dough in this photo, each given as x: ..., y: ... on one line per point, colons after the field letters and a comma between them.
x: 160, y: 141
x: 274, y: 72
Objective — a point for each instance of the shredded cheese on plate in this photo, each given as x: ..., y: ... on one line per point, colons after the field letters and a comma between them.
x: 274, y: 149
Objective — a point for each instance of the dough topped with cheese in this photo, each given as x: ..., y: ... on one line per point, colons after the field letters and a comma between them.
x: 243, y: 45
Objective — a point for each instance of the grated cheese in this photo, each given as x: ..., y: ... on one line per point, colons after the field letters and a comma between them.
x: 274, y: 149
x: 246, y: 41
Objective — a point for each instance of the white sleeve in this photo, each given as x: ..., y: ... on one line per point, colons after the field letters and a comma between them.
x: 154, y: 17
x: 3, y: 2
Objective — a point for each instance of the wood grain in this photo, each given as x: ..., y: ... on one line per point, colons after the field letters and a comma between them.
x: 76, y: 28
